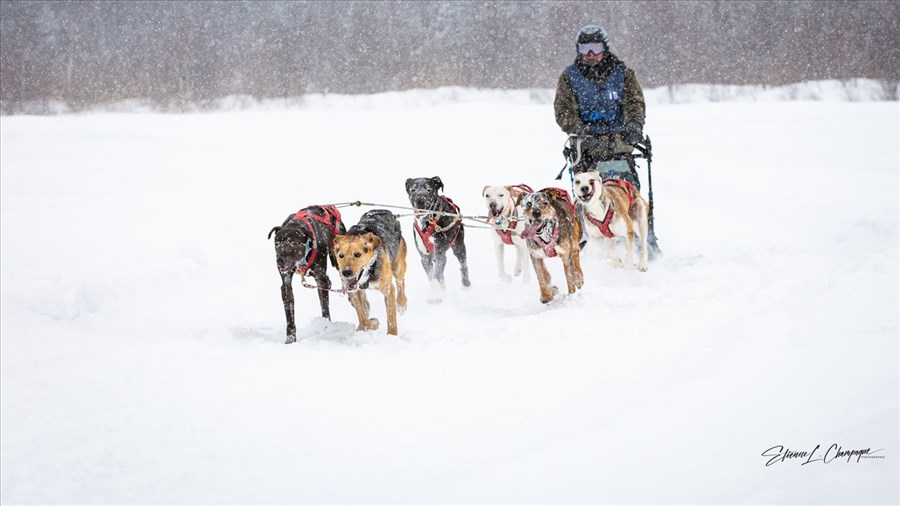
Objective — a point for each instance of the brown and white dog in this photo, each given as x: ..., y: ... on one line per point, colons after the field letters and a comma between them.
x: 503, y: 215
x: 552, y: 229
x: 372, y: 255
x: 611, y: 209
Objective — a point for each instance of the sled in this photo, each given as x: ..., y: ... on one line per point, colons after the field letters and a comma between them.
x: 618, y: 168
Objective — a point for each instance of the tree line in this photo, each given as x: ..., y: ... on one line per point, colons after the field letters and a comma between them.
x: 179, y: 53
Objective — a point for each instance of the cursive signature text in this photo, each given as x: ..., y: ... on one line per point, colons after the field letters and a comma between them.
x: 779, y: 453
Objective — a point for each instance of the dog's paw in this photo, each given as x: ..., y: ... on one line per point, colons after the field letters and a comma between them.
x: 435, y: 292
x: 616, y: 262
x: 290, y: 339
x: 401, y: 309
x: 370, y: 324
x: 549, y: 295
x: 642, y: 268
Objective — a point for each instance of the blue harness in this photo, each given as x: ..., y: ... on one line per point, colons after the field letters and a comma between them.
x: 599, y: 104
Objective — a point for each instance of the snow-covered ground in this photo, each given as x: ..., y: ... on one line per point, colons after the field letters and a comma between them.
x: 141, y: 355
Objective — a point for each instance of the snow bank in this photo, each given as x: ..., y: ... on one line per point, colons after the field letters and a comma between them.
x: 852, y: 90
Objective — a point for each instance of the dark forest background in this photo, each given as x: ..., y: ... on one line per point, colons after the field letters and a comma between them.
x: 172, y: 54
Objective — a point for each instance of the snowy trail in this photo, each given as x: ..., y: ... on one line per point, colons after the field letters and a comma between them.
x: 141, y: 356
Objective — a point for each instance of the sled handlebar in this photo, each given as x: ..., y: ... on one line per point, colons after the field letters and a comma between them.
x: 644, y: 147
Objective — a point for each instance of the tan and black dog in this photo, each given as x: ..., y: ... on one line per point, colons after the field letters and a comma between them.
x: 613, y: 208
x: 552, y: 229
x: 372, y: 255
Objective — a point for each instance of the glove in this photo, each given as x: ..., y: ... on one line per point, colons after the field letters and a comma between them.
x: 633, y: 132
x: 584, y: 130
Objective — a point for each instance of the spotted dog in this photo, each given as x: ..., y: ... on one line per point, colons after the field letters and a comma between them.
x: 302, y: 244
x: 503, y: 215
x: 613, y: 208
x: 551, y: 230
x: 372, y: 255
x: 436, y: 231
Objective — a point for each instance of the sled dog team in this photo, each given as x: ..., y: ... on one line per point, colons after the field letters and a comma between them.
x: 371, y: 255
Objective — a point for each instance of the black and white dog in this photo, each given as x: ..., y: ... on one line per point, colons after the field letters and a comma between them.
x: 436, y: 231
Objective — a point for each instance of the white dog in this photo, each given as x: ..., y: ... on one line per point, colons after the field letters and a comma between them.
x: 611, y: 209
x: 501, y: 204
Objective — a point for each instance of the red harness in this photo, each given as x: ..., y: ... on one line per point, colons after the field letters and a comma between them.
x: 429, y: 231
x: 604, y: 225
x: 506, y: 236
x: 332, y: 220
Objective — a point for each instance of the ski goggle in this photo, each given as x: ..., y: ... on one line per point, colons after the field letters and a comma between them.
x: 591, y: 47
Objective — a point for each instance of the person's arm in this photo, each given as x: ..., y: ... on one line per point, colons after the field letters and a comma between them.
x: 633, y: 104
x: 565, y: 106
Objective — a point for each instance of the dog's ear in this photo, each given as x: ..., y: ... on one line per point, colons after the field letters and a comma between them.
x: 274, y: 229
x: 519, y: 198
x: 437, y: 183
x: 372, y: 240
x: 484, y: 190
x: 409, y: 183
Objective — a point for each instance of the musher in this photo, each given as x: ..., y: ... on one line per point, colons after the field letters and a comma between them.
x: 599, y: 98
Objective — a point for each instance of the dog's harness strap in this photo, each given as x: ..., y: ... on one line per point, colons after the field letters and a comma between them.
x: 602, y: 225
x: 455, y: 220
x: 426, y: 235
x: 506, y: 236
x: 433, y: 227
x: 561, y: 193
x: 623, y: 184
x: 550, y: 247
x: 334, y: 224
x: 330, y: 212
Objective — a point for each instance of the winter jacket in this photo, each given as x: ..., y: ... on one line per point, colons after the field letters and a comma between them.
x: 631, y: 101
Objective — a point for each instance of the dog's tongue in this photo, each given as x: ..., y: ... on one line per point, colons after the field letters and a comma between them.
x: 530, y: 230
x: 347, y: 284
